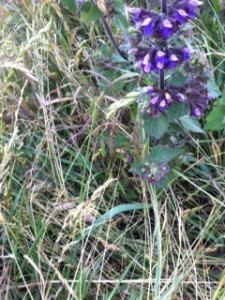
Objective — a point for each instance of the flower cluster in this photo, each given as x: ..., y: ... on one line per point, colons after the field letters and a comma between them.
x: 160, y: 100
x: 193, y: 92
x: 159, y: 56
x: 197, y: 97
x: 163, y: 26
x: 154, y: 172
x: 153, y: 59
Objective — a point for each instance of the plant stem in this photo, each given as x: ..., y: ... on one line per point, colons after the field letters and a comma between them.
x: 110, y: 36
x: 164, y: 6
x: 161, y: 80
x: 161, y: 73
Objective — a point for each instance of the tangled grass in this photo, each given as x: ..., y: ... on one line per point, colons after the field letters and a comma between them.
x: 74, y: 223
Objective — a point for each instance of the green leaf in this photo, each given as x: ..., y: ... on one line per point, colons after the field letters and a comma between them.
x: 118, y: 6
x: 177, y: 79
x: 216, y: 5
x: 118, y: 210
x: 156, y: 126
x: 121, y: 21
x: 177, y: 110
x: 191, y: 124
x: 213, y: 89
x: 69, y: 4
x: 121, y: 141
x: 111, y: 214
x: 215, y: 119
x: 93, y: 14
x: 160, y: 155
x: 136, y: 168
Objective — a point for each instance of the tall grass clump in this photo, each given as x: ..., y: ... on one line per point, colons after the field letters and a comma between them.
x: 78, y: 220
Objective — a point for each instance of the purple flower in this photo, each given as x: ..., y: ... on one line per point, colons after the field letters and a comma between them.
x: 143, y: 20
x: 152, y: 24
x: 142, y: 57
x: 180, y: 15
x: 173, y: 61
x: 176, y: 56
x: 163, y: 26
x: 194, y: 93
x: 165, y: 29
x: 197, y: 97
x: 159, y: 101
x: 147, y: 26
x: 184, y: 10
x: 154, y: 59
x: 160, y: 59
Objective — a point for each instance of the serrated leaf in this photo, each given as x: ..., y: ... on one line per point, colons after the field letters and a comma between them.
x: 157, y: 126
x: 177, y: 79
x: 215, y: 119
x: 213, y: 89
x: 160, y: 155
x: 191, y: 124
x: 136, y: 168
x: 177, y: 110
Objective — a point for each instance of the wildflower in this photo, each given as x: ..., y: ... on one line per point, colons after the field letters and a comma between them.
x: 163, y: 26
x: 180, y: 16
x: 154, y: 59
x: 183, y: 10
x: 154, y: 172
x: 197, y: 97
x: 143, y: 20
x: 159, y: 101
x: 160, y: 59
x: 165, y: 29
x: 176, y: 56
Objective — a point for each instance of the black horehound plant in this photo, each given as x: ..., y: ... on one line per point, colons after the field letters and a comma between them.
x: 179, y: 78
x: 179, y: 93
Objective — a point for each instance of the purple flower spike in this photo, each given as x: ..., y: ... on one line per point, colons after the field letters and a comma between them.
x: 155, y: 60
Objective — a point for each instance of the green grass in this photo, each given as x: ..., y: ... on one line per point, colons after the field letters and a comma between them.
x: 74, y: 223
